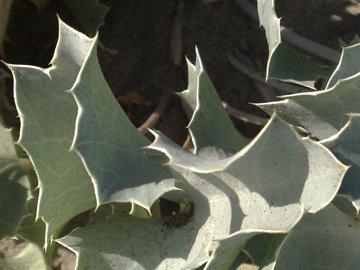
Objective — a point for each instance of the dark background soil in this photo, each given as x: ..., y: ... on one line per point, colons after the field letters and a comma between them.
x: 135, y: 40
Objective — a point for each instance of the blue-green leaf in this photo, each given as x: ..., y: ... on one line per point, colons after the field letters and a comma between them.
x: 47, y: 114
x: 111, y: 148
x: 210, y: 125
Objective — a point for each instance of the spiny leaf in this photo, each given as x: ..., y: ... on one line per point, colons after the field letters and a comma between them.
x: 224, y: 196
x: 287, y: 161
x: 327, y: 240
x: 13, y: 195
x: 210, y: 125
x: 271, y: 24
x: 291, y: 66
x: 227, y: 249
x: 348, y: 64
x: 17, y: 216
x: 111, y: 148
x: 322, y: 113
x: 147, y: 244
x: 260, y: 243
x: 285, y: 63
x: 177, y: 242
x: 314, y: 243
x: 346, y: 146
x: 47, y: 115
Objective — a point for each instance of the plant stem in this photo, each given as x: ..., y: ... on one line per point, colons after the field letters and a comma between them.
x: 176, y: 56
x: 244, y: 116
x: 284, y: 87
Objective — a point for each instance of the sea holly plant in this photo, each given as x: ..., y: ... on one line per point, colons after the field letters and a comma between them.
x: 13, y: 188
x: 154, y: 205
x: 284, y: 62
x: 219, y: 195
x: 331, y: 115
x: 47, y: 130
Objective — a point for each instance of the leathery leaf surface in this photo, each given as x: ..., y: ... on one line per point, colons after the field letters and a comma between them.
x: 47, y: 114
x: 348, y: 64
x: 210, y: 125
x: 111, y: 148
x: 322, y: 113
x: 284, y: 62
x: 266, y: 187
x: 325, y: 114
x: 327, y: 240
x: 13, y: 194
x: 346, y: 146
